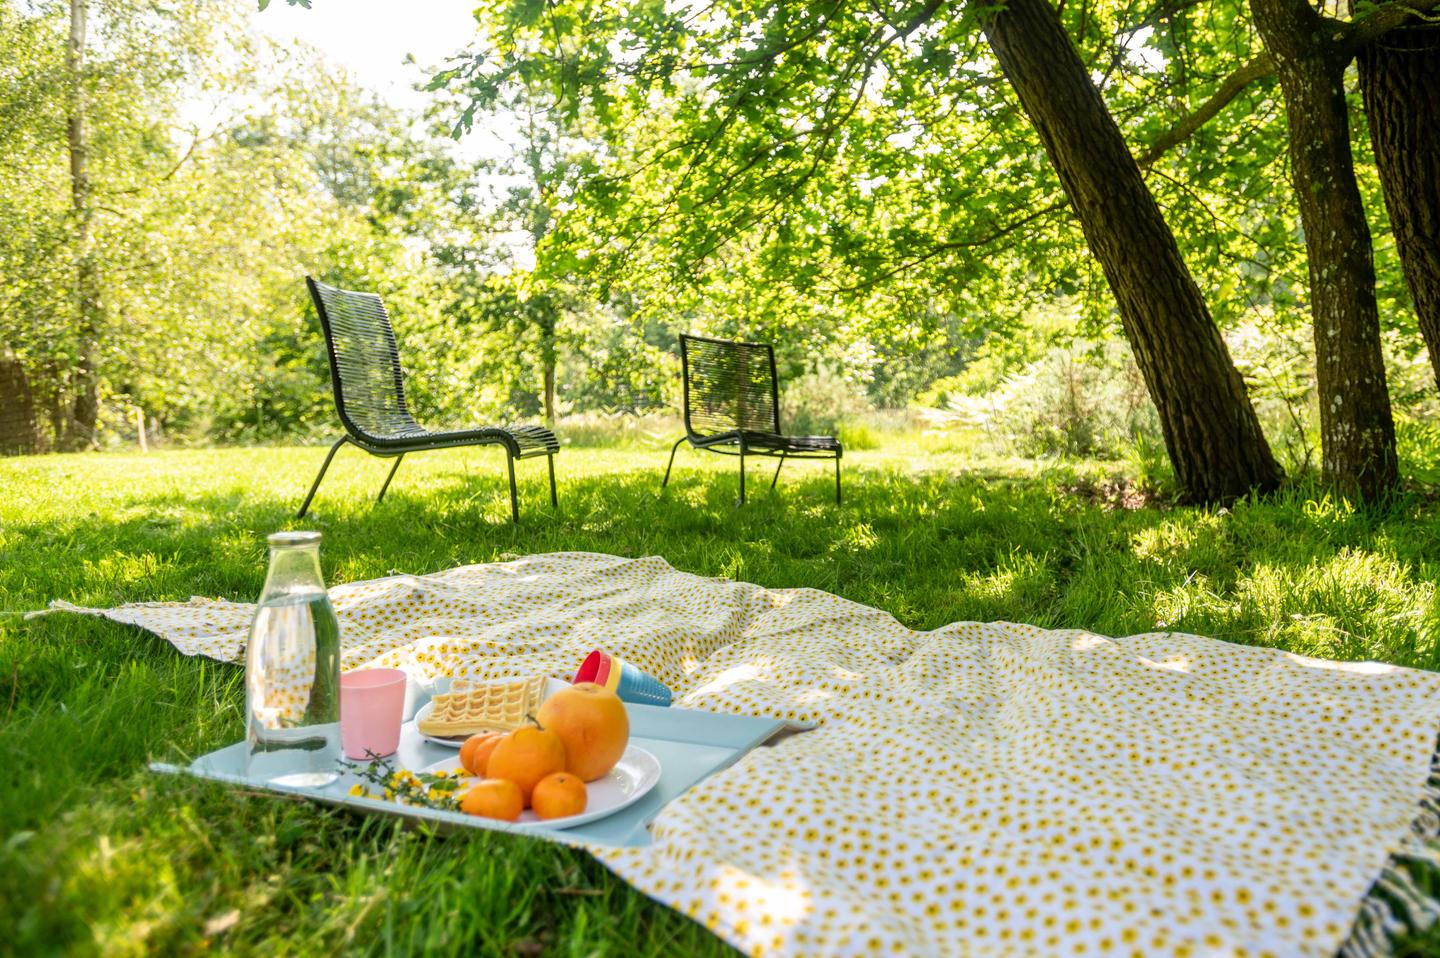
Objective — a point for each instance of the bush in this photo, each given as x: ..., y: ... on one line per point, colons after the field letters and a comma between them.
x: 1278, y: 364
x: 858, y: 435
x: 1080, y: 400
x: 821, y: 402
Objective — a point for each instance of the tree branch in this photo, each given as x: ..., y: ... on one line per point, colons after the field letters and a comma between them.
x: 1229, y: 89
x: 1359, y: 33
x: 1356, y: 35
x: 984, y: 239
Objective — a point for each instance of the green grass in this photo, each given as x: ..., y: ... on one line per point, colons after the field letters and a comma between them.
x: 98, y: 855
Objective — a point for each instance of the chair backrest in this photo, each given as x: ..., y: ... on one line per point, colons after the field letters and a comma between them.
x: 364, y: 363
x: 729, y: 386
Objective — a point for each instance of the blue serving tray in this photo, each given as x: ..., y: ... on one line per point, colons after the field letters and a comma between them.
x: 690, y: 744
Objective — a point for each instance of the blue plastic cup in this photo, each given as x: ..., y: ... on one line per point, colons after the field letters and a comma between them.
x: 624, y: 679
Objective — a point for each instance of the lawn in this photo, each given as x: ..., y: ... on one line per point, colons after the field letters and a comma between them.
x: 96, y: 854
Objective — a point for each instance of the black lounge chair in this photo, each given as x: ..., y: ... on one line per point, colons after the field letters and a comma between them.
x: 370, y: 395
x: 732, y: 406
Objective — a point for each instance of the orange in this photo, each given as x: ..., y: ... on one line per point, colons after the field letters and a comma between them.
x: 592, y: 722
x: 493, y: 798
x: 525, y: 756
x: 476, y: 751
x: 559, y: 795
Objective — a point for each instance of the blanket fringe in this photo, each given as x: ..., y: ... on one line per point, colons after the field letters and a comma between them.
x: 1396, y: 904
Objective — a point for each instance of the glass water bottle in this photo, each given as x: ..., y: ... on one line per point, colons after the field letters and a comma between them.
x: 292, y: 671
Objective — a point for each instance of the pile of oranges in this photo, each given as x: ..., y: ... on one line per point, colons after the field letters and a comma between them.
x: 578, y: 735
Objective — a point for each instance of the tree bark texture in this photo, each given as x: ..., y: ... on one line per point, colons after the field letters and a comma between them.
x: 79, y: 431
x: 19, y: 432
x: 1357, y: 433
x: 548, y: 314
x: 1400, y: 79
x: 550, y: 393
x: 1211, y: 431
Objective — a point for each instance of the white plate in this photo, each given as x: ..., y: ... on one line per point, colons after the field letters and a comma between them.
x: 635, y: 774
x: 551, y: 686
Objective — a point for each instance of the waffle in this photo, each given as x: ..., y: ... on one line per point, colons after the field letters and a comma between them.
x: 483, y: 708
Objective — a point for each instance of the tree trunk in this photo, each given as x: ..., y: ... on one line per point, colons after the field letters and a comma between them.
x: 1211, y: 431
x: 1400, y: 77
x: 548, y: 310
x: 550, y: 392
x: 1357, y: 433
x: 79, y: 431
x: 18, y: 432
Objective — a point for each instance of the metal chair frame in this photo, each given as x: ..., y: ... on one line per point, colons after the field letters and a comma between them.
x: 519, y: 442
x: 741, y: 441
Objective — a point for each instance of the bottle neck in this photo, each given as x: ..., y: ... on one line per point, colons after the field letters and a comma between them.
x: 293, y: 570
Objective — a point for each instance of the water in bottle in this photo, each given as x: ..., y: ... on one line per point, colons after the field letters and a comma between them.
x: 292, y: 670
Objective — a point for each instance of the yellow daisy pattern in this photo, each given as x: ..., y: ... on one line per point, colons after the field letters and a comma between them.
x: 980, y: 789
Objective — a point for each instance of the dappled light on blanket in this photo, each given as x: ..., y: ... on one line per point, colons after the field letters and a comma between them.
x: 1085, y: 642
x: 747, y: 902
x: 1360, y: 668
x: 727, y: 678
x: 1181, y: 664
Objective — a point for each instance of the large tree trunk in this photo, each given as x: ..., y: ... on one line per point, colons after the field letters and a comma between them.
x: 1357, y: 433
x: 79, y: 432
x: 1400, y: 77
x: 1213, y: 436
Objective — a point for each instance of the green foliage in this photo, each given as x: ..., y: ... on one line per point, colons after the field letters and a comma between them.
x: 201, y: 230
x: 822, y: 401
x: 866, y: 193
x: 862, y: 186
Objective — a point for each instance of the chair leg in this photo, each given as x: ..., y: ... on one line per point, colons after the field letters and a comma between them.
x: 514, y: 498
x: 554, y: 499
x: 777, y: 471
x: 837, y: 480
x: 323, y: 466
x: 673, y: 449
x: 742, y: 475
x: 398, y: 459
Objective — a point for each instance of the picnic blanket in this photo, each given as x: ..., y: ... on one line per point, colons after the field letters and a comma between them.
x: 978, y: 789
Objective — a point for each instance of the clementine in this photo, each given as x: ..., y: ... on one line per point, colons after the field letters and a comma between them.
x: 558, y: 795
x: 476, y: 751
x: 525, y: 756
x: 493, y: 798
x: 592, y: 722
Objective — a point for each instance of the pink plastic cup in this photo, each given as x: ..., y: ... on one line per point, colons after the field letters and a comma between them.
x: 372, y: 704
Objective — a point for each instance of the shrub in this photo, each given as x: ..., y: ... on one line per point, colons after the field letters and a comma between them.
x: 822, y: 401
x: 1074, y: 401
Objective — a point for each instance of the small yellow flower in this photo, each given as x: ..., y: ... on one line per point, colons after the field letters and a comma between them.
x: 357, y: 790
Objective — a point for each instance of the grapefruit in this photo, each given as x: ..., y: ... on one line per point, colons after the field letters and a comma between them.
x: 592, y: 722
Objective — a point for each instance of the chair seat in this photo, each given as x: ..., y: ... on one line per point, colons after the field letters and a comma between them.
x: 797, y: 444
x: 525, y: 441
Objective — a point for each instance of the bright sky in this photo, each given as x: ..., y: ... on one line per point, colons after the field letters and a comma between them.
x: 371, y: 38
